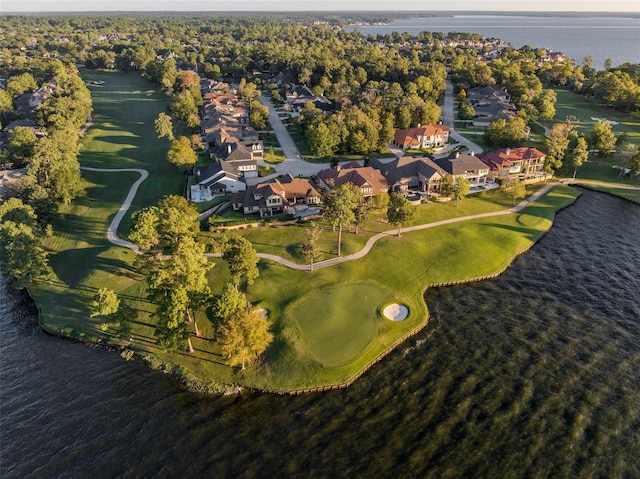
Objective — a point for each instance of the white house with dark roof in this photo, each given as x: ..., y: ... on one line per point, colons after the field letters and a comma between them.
x: 221, y: 178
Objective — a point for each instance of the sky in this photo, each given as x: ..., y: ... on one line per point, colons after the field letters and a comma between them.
x: 8, y: 6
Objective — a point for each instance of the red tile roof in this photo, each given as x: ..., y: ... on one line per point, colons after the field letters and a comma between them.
x: 506, y: 156
x: 410, y: 137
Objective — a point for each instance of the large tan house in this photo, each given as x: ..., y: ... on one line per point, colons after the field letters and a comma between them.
x: 509, y: 164
x: 422, y: 136
x: 368, y: 179
x: 283, y: 195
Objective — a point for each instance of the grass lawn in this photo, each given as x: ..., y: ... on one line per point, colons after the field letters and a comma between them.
x: 320, y: 315
x: 122, y: 136
x: 569, y: 103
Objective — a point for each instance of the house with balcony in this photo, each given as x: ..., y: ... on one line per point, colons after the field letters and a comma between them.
x: 422, y: 136
x: 466, y: 166
x: 283, y: 195
x: 509, y: 164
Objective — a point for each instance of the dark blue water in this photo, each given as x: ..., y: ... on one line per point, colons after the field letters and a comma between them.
x: 598, y: 37
x: 535, y: 374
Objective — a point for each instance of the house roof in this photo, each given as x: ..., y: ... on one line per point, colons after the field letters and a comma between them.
x: 506, y: 156
x: 235, y: 151
x: 460, y: 164
x: 408, y: 166
x: 486, y: 93
x: 410, y: 137
x: 287, y: 187
x: 212, y: 173
x: 353, y: 173
x: 25, y: 122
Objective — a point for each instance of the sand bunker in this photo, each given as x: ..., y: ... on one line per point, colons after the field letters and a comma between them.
x: 396, y: 312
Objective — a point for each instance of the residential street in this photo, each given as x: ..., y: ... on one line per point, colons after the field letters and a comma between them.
x: 449, y: 120
x: 294, y: 164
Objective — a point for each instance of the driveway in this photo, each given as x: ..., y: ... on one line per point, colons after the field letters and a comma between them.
x: 448, y: 119
x: 293, y: 164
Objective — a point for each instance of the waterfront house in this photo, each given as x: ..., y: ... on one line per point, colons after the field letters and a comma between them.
x: 509, y: 164
x: 466, y: 166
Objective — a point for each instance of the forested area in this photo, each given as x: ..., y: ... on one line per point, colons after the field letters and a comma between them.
x: 376, y: 83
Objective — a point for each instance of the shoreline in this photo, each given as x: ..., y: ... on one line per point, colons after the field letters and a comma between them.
x: 198, y: 384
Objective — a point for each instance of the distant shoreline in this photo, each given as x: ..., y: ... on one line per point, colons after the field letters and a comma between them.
x: 388, y: 15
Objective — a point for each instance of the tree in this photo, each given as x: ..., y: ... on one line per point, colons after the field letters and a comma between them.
x: 506, y: 133
x: 603, y: 139
x: 361, y: 213
x: 323, y: 139
x: 242, y: 259
x: 6, y: 105
x: 339, y: 204
x: 164, y: 126
x: 21, y: 255
x: 633, y: 164
x: 182, y: 155
x: 179, y: 285
x: 21, y: 143
x: 160, y: 227
x: 34, y: 195
x: 380, y: 202
x: 557, y: 144
x: 244, y: 337
x: 259, y: 115
x: 579, y: 154
x: 144, y: 229
x: 105, y: 303
x: 517, y: 190
x: 19, y: 84
x: 227, y: 303
x: 459, y: 188
x: 184, y: 108
x: 400, y: 211
x: 466, y: 111
x: 310, y: 248
x: 55, y: 165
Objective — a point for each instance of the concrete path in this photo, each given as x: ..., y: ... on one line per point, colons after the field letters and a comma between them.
x: 372, y: 241
x: 448, y: 119
x: 112, y: 232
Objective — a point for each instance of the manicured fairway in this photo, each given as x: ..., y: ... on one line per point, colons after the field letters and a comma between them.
x: 336, y: 324
x: 584, y: 110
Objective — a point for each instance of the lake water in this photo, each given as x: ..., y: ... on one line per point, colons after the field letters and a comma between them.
x: 598, y: 37
x: 534, y: 374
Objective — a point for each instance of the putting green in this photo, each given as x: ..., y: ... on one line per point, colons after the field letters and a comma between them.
x: 336, y: 324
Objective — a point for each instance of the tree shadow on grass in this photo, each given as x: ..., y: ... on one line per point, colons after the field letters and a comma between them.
x: 530, y: 233
x: 72, y: 266
x: 116, y: 267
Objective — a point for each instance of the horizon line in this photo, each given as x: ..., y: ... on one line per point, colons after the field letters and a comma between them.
x: 257, y: 11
